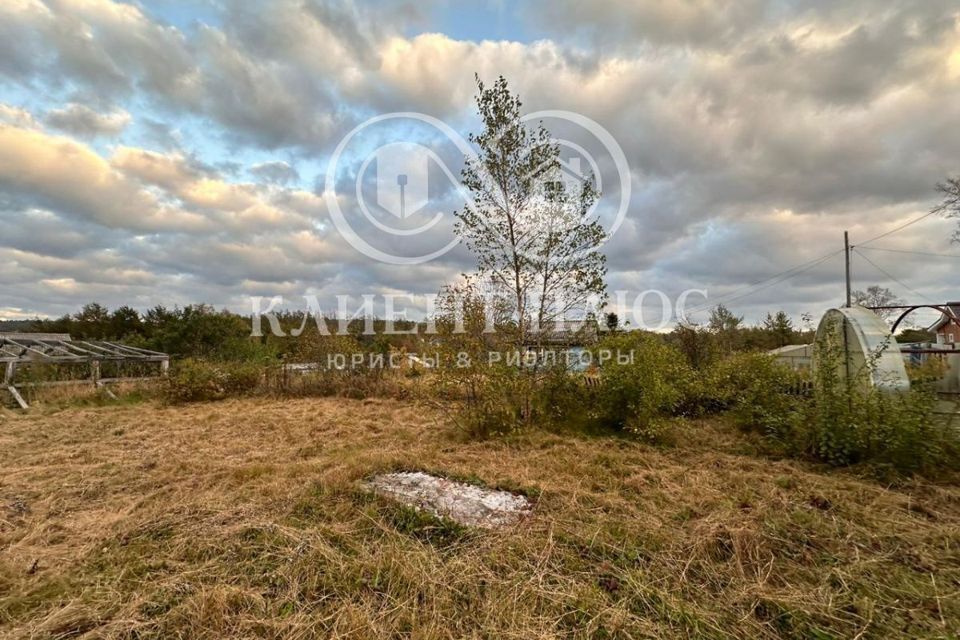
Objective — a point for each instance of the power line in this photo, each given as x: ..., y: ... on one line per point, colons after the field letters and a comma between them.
x: 886, y: 273
x: 766, y: 282
x: 901, y: 227
x: 918, y: 253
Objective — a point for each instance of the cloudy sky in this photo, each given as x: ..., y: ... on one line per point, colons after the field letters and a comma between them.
x: 172, y: 152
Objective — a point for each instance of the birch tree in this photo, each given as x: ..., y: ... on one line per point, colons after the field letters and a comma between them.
x: 525, y: 224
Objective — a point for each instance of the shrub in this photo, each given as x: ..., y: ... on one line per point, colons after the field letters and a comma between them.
x: 897, y: 429
x: 497, y: 399
x: 498, y: 394
x: 761, y: 394
x: 837, y: 423
x: 637, y: 395
x: 851, y: 421
x: 562, y: 398
x: 193, y: 380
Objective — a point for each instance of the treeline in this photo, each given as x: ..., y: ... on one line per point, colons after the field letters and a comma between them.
x: 726, y: 333
x: 693, y: 371
x: 201, y: 331
x: 194, y: 330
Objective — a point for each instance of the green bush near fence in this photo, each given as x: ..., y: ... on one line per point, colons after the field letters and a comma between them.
x: 193, y: 380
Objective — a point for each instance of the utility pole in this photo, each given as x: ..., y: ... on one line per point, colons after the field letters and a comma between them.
x: 846, y: 253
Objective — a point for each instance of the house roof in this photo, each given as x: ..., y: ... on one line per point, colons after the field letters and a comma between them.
x: 793, y: 350
x: 944, y: 318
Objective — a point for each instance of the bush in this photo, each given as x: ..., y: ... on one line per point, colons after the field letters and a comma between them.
x: 851, y: 421
x: 497, y: 399
x: 899, y: 430
x: 562, y: 399
x: 638, y: 395
x: 356, y: 384
x: 193, y: 380
x: 836, y: 423
x: 761, y: 394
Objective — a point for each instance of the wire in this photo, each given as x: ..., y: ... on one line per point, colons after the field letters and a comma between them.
x: 918, y: 253
x: 767, y: 283
x: 903, y: 226
x: 884, y: 272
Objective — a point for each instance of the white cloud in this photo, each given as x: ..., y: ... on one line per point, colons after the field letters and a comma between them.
x: 81, y: 120
x: 17, y: 117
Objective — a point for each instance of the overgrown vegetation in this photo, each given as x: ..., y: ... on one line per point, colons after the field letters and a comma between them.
x: 199, y: 380
x: 688, y: 373
x: 639, y: 393
x: 243, y: 519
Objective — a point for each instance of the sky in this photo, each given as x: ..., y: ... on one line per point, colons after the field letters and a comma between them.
x: 175, y: 152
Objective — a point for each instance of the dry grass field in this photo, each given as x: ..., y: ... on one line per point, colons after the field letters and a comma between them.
x: 243, y: 519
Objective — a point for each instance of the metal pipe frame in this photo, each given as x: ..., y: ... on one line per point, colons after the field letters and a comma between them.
x: 910, y: 308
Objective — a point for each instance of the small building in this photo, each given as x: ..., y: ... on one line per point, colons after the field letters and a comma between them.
x: 947, y: 329
x: 798, y: 357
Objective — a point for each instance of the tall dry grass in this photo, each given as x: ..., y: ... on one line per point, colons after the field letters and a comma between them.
x: 243, y: 519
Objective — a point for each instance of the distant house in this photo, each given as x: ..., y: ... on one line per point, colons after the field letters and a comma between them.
x: 946, y: 328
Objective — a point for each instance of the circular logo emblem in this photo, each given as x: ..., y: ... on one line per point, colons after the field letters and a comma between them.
x: 391, y: 193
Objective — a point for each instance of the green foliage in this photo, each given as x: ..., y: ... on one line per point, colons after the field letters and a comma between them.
x: 193, y: 380
x: 529, y: 232
x: 781, y: 326
x: 611, y: 321
x: 725, y: 327
x: 637, y: 395
x: 197, y: 331
x: 837, y: 423
x: 496, y: 396
x: 429, y: 529
x: 850, y: 424
x: 916, y: 335
x: 761, y: 394
x: 496, y: 400
x: 682, y: 374
x: 928, y: 372
x: 315, y: 347
x: 722, y: 319
x: 193, y: 331
x: 562, y: 399
x: 699, y: 346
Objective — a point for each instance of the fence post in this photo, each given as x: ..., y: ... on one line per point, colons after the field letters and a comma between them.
x: 95, y: 372
x: 8, y: 383
x: 164, y: 368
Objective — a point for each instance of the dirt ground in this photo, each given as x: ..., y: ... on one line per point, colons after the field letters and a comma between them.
x: 246, y: 519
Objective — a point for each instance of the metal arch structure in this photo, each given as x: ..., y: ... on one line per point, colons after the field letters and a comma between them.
x: 907, y: 309
x: 18, y: 349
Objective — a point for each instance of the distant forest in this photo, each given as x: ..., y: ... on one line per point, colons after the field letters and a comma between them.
x: 201, y: 331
